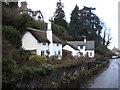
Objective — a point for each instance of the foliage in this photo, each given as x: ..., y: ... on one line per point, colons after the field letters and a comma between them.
x: 90, y: 23
x: 54, y: 61
x: 37, y: 25
x: 77, y: 79
x: 10, y: 13
x: 104, y: 51
x: 84, y: 23
x: 61, y: 32
x: 23, y: 22
x: 48, y: 53
x: 99, y: 57
x: 27, y: 73
x: 12, y: 35
x: 36, y: 60
x: 13, y: 73
x: 9, y: 70
x: 47, y: 68
x: 59, y: 16
x: 68, y: 63
x: 7, y: 48
x: 74, y: 23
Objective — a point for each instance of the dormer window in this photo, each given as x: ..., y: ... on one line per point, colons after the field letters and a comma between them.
x: 57, y: 44
x: 44, y: 43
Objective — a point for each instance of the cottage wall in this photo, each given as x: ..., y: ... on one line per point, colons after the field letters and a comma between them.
x: 91, y: 53
x: 29, y: 42
x: 69, y: 48
x: 57, y: 49
x: 42, y: 47
x: 83, y: 50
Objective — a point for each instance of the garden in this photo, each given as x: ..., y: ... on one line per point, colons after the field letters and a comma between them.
x: 34, y: 67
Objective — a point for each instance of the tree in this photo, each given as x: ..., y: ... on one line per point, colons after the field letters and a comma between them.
x: 74, y: 23
x: 59, y: 15
x: 12, y: 35
x: 85, y: 23
x: 106, y: 36
x: 23, y: 22
x: 10, y: 13
x: 90, y: 25
x: 61, y: 32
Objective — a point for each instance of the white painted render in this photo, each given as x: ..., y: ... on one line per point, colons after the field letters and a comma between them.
x: 82, y: 50
x: 29, y: 42
x: 41, y: 47
x: 57, y: 48
x: 76, y: 52
x: 69, y: 48
x: 90, y: 51
x: 49, y: 33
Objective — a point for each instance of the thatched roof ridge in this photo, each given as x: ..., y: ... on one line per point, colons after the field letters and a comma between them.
x: 41, y: 36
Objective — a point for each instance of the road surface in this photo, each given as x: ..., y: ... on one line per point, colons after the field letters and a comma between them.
x: 110, y: 78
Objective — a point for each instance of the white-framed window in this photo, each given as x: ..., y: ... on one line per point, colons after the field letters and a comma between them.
x: 44, y: 43
x: 55, y: 53
x: 81, y: 54
x: 80, y: 47
x: 59, y: 52
x: 87, y: 54
x: 42, y: 53
x: 90, y: 53
x: 57, y: 44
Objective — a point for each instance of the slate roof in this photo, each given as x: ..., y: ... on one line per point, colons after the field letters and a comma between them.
x: 90, y: 45
x: 41, y: 36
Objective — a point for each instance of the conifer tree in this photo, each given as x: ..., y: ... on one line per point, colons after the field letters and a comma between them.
x: 90, y: 24
x: 74, y: 23
x: 59, y: 15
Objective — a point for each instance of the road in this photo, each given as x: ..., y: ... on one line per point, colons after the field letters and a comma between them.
x: 110, y: 78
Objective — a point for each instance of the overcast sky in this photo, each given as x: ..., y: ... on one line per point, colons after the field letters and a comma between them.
x: 106, y: 10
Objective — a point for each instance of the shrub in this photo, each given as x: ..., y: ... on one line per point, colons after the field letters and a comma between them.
x: 61, y: 31
x: 53, y: 58
x: 36, y: 60
x: 7, y: 49
x: 99, y: 57
x: 37, y: 25
x: 28, y: 73
x: 9, y: 70
x: 47, y: 68
x: 12, y: 35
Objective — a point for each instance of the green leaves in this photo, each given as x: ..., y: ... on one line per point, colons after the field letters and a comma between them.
x: 59, y: 16
x: 85, y: 23
x: 61, y: 32
x: 9, y: 70
x: 12, y: 35
x: 36, y: 60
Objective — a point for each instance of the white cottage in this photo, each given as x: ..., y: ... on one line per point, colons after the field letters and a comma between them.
x: 42, y: 41
x: 80, y: 48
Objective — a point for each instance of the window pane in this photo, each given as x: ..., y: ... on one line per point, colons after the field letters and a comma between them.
x: 42, y: 53
x: 90, y: 53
